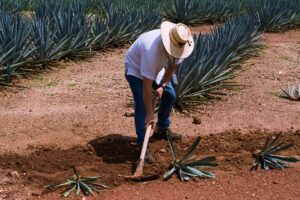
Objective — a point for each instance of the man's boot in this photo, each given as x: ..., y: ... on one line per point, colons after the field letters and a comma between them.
x: 149, y: 156
x: 161, y: 133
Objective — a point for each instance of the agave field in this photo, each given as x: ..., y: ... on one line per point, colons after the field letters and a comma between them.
x: 63, y: 96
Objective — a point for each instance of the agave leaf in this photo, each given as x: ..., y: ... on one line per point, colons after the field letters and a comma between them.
x: 86, y: 188
x: 93, y: 188
x: 185, y: 176
x: 188, y: 174
x: 254, y: 166
x: 78, y: 188
x: 208, y: 174
x: 272, y: 165
x: 168, y: 174
x: 265, y: 165
x: 68, y: 182
x: 266, y: 144
x: 72, y: 180
x: 69, y: 190
x: 283, y: 164
x: 205, y: 162
x: 271, y: 143
x: 282, y: 158
x: 170, y: 141
x: 100, y: 185
x: 192, y: 148
x: 278, y: 163
x: 197, y: 172
x: 279, y: 147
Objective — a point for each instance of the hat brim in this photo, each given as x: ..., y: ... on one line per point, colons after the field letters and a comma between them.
x: 177, y: 52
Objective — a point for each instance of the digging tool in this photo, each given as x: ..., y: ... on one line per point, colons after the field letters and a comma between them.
x: 138, y: 174
x: 140, y: 165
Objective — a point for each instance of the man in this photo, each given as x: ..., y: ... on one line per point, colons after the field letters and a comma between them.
x: 156, y: 53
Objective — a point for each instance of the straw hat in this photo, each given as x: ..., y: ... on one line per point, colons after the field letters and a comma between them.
x: 177, y: 39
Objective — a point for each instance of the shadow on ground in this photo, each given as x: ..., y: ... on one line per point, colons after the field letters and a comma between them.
x: 115, y: 148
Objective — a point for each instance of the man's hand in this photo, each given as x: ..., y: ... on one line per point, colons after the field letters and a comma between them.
x: 158, y: 93
x: 149, y: 120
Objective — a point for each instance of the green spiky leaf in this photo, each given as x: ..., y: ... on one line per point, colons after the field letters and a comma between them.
x: 191, y: 169
x: 268, y: 160
x: 84, y: 184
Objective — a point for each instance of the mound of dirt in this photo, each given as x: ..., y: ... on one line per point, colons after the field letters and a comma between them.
x: 111, y: 157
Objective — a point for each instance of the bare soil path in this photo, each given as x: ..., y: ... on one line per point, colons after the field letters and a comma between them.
x: 60, y: 112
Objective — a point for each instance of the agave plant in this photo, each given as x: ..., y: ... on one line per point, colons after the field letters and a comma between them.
x: 216, y: 57
x: 72, y: 24
x: 276, y: 16
x: 186, y: 167
x: 193, y: 12
x: 10, y: 6
x: 111, y: 32
x: 47, y: 49
x: 219, y: 11
x: 291, y: 92
x: 85, y: 184
x: 183, y: 11
x: 15, y: 47
x: 267, y: 157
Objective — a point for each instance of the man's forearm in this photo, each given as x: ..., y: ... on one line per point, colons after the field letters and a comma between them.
x: 147, y: 96
x: 168, y: 75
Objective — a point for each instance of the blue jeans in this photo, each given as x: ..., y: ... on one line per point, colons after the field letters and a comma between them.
x: 167, y: 100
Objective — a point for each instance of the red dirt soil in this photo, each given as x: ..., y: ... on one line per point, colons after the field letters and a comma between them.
x: 75, y: 115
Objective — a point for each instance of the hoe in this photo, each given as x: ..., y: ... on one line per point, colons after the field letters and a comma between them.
x: 138, y: 175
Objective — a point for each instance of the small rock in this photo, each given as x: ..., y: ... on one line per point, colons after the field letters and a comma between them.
x: 90, y: 148
x: 14, y: 174
x: 129, y: 114
x: 162, y: 151
x: 86, y: 107
x: 196, y: 120
x: 83, y: 198
x: 275, y: 182
x: 36, y: 194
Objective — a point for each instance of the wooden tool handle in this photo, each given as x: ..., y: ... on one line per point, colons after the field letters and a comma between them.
x: 146, y: 141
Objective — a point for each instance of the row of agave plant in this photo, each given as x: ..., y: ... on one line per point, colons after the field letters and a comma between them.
x: 274, y: 16
x: 92, y: 6
x: 216, y: 59
x: 53, y: 31
x: 60, y: 29
x: 218, y: 55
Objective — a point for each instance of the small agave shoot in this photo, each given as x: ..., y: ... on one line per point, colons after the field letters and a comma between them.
x: 186, y: 167
x: 291, y: 92
x: 267, y: 158
x: 85, y: 184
